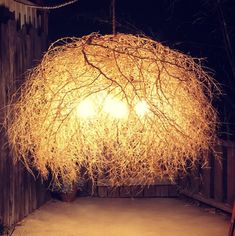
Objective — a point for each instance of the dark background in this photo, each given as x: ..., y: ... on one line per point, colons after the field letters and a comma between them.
x: 200, y: 28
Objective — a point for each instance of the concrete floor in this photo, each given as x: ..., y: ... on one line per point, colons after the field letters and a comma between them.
x: 122, y: 217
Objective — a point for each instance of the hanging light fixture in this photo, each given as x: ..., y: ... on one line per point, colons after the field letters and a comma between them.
x: 123, y: 107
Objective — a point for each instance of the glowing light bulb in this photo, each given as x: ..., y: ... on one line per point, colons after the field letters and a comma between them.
x: 115, y: 108
x: 141, y: 108
x: 85, y: 109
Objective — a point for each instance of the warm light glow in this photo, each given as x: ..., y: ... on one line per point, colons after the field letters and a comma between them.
x: 141, y: 108
x: 115, y: 108
x: 86, y: 109
x: 118, y: 108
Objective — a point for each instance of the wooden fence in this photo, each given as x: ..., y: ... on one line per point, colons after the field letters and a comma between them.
x: 157, y: 190
x: 215, y: 183
x: 161, y: 188
x: 20, y: 47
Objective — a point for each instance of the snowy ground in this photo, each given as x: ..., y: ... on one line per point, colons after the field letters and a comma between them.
x: 122, y: 217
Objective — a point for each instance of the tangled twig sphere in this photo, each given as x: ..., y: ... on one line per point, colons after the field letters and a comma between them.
x: 118, y: 108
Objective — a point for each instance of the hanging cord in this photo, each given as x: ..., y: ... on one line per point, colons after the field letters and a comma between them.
x: 47, y: 7
x: 113, y: 17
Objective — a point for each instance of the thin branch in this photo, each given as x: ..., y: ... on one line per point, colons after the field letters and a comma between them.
x: 47, y: 7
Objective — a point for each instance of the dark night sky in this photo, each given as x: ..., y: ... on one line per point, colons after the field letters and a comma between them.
x: 190, y: 26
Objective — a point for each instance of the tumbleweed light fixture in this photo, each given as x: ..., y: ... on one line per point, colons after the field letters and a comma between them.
x: 122, y: 108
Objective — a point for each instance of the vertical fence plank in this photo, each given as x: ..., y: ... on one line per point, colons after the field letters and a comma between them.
x: 125, y: 191
x: 225, y: 172
x: 5, y: 75
x: 207, y: 177
x: 1, y: 132
x: 218, y: 177
x: 113, y: 192
x: 12, y: 43
x: 150, y: 191
x: 173, y: 191
x: 231, y: 174
x: 102, y: 191
x: 137, y: 191
x: 164, y: 191
x: 195, y: 182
